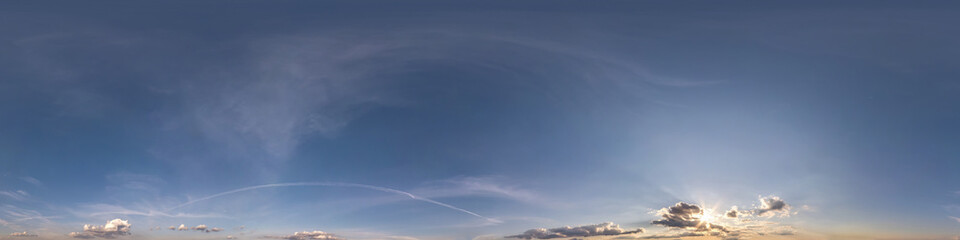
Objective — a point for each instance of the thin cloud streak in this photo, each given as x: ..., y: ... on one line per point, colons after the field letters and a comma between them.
x: 18, y: 195
x: 335, y: 184
x: 32, y: 180
x: 107, y: 209
x: 479, y: 186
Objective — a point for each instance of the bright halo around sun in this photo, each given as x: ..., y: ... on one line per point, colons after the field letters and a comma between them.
x: 708, y: 216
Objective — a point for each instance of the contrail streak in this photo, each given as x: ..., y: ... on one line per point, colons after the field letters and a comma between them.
x: 334, y: 184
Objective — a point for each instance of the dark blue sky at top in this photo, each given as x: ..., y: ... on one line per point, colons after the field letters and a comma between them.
x: 592, y: 107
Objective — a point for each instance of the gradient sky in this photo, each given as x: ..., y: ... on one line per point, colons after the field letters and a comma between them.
x: 479, y: 119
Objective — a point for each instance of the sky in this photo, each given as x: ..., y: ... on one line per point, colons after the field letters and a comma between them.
x: 479, y: 120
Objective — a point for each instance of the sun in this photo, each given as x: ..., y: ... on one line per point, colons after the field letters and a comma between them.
x: 708, y: 217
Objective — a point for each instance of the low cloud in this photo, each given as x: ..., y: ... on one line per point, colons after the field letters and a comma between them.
x: 182, y: 227
x: 773, y: 206
x: 680, y: 235
x: 782, y: 231
x: 785, y: 232
x: 690, y: 220
x: 686, y: 216
x: 733, y: 213
x: 201, y: 227
x: 315, y: 235
x: 602, y: 229
x: 204, y: 228
x: 114, y: 228
x: 22, y: 235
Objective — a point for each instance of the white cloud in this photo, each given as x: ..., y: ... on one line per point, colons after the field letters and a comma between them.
x: 112, y: 229
x: 22, y: 235
x: 200, y: 227
x: 317, y: 235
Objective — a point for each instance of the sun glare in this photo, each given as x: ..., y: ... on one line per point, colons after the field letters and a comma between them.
x: 708, y: 216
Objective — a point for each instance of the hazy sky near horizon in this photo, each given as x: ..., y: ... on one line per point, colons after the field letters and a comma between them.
x: 479, y: 119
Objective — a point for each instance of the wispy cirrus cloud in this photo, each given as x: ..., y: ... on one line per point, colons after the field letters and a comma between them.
x: 336, y: 184
x: 285, y: 88
x: 33, y: 181
x: 478, y: 186
x: 18, y: 214
x: 18, y: 195
x: 101, y: 209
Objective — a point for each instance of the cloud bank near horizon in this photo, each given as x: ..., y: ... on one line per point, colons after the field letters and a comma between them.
x: 601, y: 229
x: 112, y: 229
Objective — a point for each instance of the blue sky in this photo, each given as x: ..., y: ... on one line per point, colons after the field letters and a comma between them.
x: 479, y: 120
